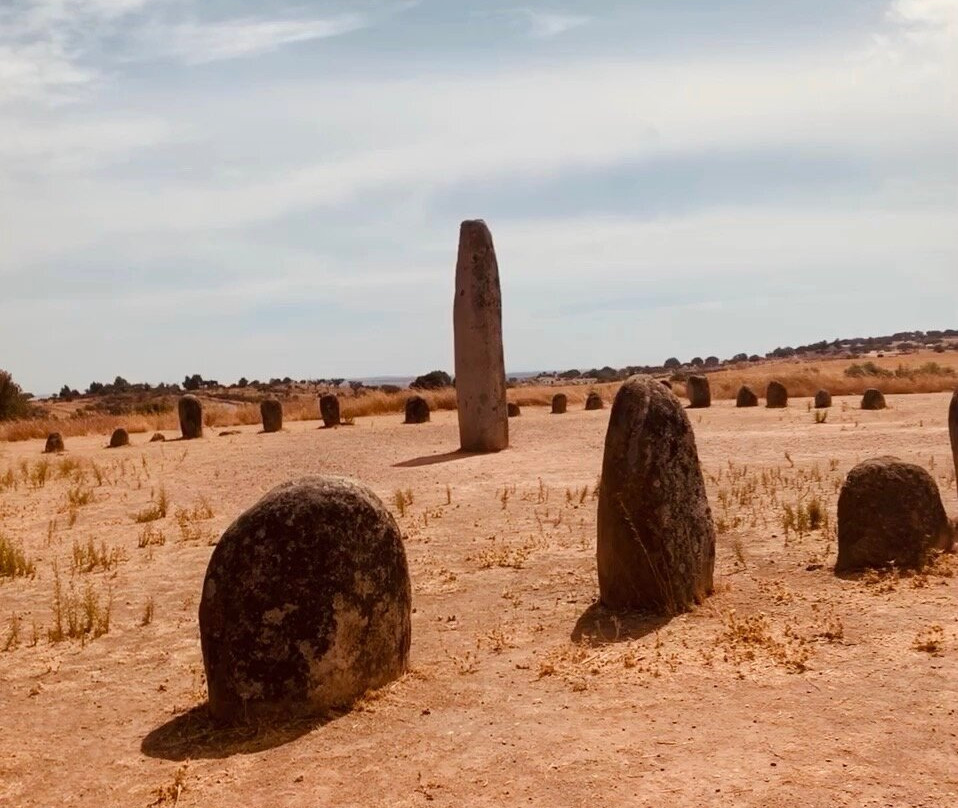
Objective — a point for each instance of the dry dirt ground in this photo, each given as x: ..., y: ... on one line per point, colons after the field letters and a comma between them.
x: 788, y: 687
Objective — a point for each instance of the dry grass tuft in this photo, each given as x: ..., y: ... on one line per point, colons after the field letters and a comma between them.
x: 13, y: 561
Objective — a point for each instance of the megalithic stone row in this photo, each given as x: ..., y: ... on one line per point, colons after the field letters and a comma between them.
x: 417, y: 410
x: 699, y: 392
x: 776, y: 395
x: 656, y: 539
x: 873, y: 399
x: 190, y: 410
x: 746, y: 397
x: 560, y: 401
x: 120, y: 437
x: 823, y: 400
x: 477, y: 329
x: 54, y: 443
x: 953, y: 430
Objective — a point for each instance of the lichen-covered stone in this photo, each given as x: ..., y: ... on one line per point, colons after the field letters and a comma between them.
x: 306, y: 603
x: 953, y: 430
x: 873, y: 399
x: 699, y: 392
x: 560, y: 402
x: 417, y: 410
x: 594, y: 401
x: 329, y: 410
x: 746, y: 397
x: 776, y: 395
x: 513, y: 409
x: 54, y: 443
x: 271, y: 411
x: 120, y: 437
x: 823, y: 400
x: 889, y: 512
x: 477, y: 329
x: 656, y: 539
x: 190, y: 410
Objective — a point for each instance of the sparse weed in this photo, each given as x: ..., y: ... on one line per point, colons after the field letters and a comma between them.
x: 13, y: 561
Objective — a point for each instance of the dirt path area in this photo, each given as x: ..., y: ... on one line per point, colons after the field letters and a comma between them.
x: 789, y: 687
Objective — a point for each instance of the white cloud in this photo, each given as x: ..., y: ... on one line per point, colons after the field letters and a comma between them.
x: 545, y: 25
x: 195, y: 43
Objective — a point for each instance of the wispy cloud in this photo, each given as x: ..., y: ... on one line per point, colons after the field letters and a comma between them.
x: 195, y: 43
x: 545, y: 24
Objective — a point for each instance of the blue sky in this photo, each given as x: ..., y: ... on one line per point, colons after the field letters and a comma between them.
x: 230, y: 188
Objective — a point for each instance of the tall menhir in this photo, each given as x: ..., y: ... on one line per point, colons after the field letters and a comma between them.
x: 477, y: 327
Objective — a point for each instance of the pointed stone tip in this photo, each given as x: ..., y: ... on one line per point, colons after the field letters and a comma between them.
x: 475, y: 233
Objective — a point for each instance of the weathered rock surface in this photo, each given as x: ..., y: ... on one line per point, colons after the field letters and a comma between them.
x: 699, y: 392
x: 746, y: 397
x: 417, y: 410
x: 54, y: 443
x: 329, y: 410
x: 560, y: 402
x: 271, y: 411
x: 190, y: 410
x: 120, y: 437
x: 776, y: 395
x: 306, y: 603
x: 656, y: 539
x: 594, y: 401
x: 477, y: 327
x: 889, y: 512
x: 823, y: 400
x: 873, y: 399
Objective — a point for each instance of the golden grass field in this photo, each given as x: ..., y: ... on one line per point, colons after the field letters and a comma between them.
x: 788, y: 687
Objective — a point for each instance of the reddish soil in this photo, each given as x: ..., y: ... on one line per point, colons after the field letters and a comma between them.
x: 790, y: 686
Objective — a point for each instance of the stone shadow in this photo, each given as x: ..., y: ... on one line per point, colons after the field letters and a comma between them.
x: 431, y: 460
x: 195, y: 735
x: 597, y: 625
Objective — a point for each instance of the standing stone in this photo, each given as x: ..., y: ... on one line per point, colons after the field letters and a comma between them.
x: 513, y: 409
x: 873, y: 399
x: 306, y: 603
x: 953, y: 430
x: 120, y: 437
x: 477, y: 327
x: 560, y: 401
x: 191, y: 417
x: 271, y: 411
x: 594, y: 401
x: 329, y: 409
x: 54, y: 443
x: 699, y: 392
x: 746, y: 397
x: 889, y: 512
x: 823, y: 400
x: 656, y: 540
x: 776, y: 395
x: 417, y: 410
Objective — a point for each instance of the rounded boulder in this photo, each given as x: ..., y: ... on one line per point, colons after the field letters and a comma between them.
x: 54, y: 444
x: 305, y: 604
x: 746, y: 397
x: 594, y: 401
x: 560, y: 402
x: 889, y: 513
x: 873, y: 399
x: 120, y: 437
x: 776, y: 396
x: 417, y: 410
x: 823, y: 400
